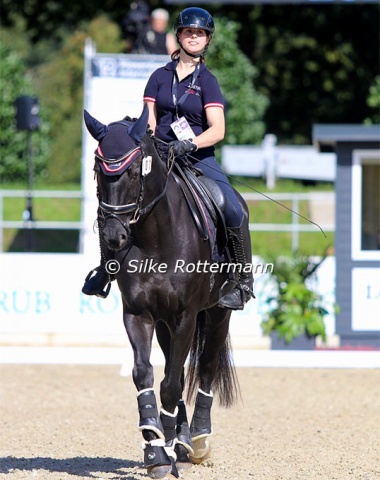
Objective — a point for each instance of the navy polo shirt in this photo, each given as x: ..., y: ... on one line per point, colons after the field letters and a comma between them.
x: 204, y: 94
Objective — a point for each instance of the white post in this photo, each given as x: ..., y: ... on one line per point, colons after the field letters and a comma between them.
x: 268, y: 145
x: 295, y: 224
x: 89, y: 242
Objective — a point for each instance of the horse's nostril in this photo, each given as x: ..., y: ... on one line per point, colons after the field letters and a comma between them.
x: 115, y: 240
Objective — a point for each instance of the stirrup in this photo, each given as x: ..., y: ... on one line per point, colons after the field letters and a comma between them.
x: 245, y: 294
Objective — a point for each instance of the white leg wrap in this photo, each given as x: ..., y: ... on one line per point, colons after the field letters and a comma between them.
x: 206, y: 394
x: 168, y: 414
x: 155, y: 443
x: 153, y: 429
x: 144, y: 390
x: 169, y: 449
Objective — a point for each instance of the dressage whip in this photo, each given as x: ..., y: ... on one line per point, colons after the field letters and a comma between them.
x: 257, y: 191
x: 275, y: 201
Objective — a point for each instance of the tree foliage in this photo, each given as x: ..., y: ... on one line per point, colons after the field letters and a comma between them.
x: 58, y: 83
x: 314, y: 64
x: 373, y: 101
x: 64, y: 74
x: 13, y: 144
x: 244, y: 106
x: 311, y: 61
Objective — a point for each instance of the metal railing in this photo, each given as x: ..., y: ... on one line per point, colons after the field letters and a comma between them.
x: 295, y: 227
x: 36, y: 224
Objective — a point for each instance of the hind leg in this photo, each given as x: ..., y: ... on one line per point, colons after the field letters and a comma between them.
x: 212, y: 372
x: 200, y: 427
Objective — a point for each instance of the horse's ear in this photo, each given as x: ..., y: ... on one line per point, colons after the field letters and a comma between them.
x: 98, y: 130
x: 138, y: 129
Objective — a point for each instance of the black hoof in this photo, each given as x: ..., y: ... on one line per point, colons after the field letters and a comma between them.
x: 159, y: 471
x: 158, y: 462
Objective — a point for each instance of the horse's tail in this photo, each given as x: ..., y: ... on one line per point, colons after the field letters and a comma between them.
x: 225, y: 384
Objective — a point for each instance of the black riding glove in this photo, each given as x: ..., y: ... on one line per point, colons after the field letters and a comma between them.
x: 182, y: 147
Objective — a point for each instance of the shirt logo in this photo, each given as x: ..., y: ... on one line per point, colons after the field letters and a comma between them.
x: 194, y: 90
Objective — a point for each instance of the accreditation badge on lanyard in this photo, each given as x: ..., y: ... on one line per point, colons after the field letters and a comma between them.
x: 181, y: 127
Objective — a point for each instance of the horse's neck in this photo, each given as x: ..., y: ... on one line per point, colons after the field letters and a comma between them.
x: 156, y: 179
x: 154, y: 231
x: 154, y: 227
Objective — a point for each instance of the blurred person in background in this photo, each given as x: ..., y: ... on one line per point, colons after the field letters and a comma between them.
x: 148, y: 33
x: 156, y: 39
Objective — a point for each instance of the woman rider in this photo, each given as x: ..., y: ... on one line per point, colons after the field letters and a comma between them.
x: 185, y: 91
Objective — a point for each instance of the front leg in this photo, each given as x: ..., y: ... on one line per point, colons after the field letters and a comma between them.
x: 140, y: 332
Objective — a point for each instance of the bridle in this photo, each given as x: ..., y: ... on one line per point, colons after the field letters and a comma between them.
x: 115, y: 211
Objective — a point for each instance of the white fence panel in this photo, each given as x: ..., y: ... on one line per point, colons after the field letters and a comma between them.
x: 272, y: 162
x: 41, y: 303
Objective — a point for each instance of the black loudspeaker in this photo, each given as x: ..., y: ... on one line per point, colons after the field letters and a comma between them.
x: 27, y: 113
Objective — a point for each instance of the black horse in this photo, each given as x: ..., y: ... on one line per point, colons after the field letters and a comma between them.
x: 167, y: 286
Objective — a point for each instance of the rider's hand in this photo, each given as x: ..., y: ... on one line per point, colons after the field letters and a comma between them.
x: 182, y: 147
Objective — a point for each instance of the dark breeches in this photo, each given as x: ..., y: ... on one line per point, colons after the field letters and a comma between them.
x: 233, y: 212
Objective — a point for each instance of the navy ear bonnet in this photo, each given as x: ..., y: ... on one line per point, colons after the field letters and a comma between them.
x: 119, y: 142
x: 118, y: 148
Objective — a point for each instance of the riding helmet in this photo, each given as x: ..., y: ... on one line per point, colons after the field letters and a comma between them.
x: 194, y: 17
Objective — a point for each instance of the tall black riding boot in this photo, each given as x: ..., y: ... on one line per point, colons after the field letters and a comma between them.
x: 240, y: 242
x: 100, y: 283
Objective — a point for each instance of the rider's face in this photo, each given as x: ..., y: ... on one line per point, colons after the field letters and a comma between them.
x: 193, y: 40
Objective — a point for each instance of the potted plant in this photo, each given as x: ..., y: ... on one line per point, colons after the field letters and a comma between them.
x: 295, y: 313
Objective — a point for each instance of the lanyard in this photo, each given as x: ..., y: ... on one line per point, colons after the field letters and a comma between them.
x: 184, y: 96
